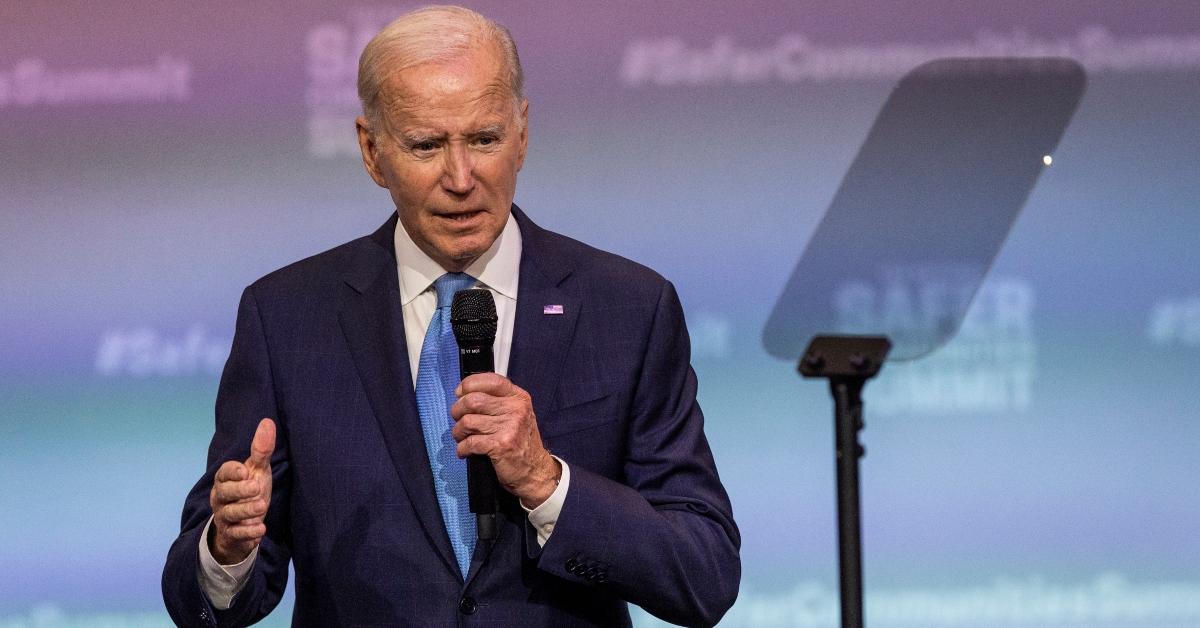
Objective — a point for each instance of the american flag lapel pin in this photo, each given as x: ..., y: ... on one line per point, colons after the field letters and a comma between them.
x: 552, y: 309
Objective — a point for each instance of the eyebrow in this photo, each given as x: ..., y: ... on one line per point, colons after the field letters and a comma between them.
x: 417, y: 138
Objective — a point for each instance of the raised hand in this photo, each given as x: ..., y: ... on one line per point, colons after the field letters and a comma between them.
x: 494, y: 417
x: 239, y: 499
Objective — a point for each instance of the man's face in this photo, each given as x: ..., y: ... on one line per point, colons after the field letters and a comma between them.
x: 451, y: 142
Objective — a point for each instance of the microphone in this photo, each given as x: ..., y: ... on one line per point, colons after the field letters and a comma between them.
x: 473, y: 319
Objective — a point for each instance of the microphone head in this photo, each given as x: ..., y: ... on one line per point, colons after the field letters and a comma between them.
x: 473, y: 317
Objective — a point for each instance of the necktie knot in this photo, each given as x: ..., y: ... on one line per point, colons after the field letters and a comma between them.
x: 450, y: 283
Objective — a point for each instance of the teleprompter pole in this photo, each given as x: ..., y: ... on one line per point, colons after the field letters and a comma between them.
x: 847, y: 423
x: 847, y: 362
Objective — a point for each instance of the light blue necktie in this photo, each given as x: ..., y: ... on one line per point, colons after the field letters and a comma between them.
x: 437, y: 377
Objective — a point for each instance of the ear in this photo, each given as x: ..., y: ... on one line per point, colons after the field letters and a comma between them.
x: 524, y: 138
x: 370, y: 151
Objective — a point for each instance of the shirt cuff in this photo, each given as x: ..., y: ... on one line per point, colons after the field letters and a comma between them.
x: 221, y: 583
x: 545, y: 516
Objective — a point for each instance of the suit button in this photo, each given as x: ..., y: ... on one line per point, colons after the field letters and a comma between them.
x: 591, y: 572
x: 571, y: 564
x: 602, y: 577
x: 467, y: 606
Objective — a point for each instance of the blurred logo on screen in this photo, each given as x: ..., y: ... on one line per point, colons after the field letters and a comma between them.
x: 331, y: 53
x: 1175, y: 322
x: 145, y: 352
x: 794, y: 57
x: 987, y: 366
x: 32, y: 82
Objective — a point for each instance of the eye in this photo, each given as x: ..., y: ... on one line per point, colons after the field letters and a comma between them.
x: 424, y: 147
x: 486, y: 140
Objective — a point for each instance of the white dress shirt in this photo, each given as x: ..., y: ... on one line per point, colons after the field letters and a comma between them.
x: 498, y: 270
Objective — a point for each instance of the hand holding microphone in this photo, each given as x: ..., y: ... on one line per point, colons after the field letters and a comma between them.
x: 495, y: 425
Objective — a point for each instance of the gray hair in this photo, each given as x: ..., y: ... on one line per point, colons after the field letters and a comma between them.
x: 430, y: 34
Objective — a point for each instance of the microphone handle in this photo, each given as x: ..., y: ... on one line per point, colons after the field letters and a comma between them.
x: 483, y: 489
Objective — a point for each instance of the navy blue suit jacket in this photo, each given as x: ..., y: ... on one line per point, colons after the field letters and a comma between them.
x: 320, y: 347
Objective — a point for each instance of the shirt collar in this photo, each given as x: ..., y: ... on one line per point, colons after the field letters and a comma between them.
x: 498, y: 268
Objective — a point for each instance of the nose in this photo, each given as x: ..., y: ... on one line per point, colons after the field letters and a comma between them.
x: 458, y: 178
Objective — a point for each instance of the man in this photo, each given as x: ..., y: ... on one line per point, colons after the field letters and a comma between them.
x: 357, y: 476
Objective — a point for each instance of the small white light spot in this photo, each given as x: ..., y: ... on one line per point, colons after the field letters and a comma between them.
x: 1047, y: 159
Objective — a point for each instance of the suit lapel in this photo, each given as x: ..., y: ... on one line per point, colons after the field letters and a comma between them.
x: 372, y: 321
x: 540, y: 338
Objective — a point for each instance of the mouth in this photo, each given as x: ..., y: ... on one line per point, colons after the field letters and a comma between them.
x: 463, y: 216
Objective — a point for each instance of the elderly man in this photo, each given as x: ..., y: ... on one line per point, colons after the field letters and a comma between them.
x: 358, y: 475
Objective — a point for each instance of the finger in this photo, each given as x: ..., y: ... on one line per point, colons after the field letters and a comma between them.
x: 224, y: 519
x: 464, y: 427
x: 478, y: 403
x: 225, y: 524
x: 243, y: 511
x: 475, y: 445
x: 230, y: 492
x: 246, y: 531
x: 232, y: 471
x: 472, y: 424
x: 262, y: 446
x: 490, y: 383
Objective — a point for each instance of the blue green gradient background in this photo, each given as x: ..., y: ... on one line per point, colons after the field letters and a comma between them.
x: 154, y: 215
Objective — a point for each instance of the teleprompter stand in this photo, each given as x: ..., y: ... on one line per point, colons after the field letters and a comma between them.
x: 847, y: 362
x: 913, y: 229
x: 910, y: 235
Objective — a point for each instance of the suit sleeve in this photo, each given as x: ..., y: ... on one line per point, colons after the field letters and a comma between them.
x: 663, y: 538
x: 246, y: 395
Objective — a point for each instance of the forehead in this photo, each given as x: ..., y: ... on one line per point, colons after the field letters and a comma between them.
x: 462, y: 90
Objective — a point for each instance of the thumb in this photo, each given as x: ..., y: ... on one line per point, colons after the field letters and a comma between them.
x: 262, y: 446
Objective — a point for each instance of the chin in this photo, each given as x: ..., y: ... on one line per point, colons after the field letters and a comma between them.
x: 461, y: 257
x: 474, y: 244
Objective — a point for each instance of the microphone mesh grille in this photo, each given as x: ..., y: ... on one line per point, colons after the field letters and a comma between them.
x: 473, y: 317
